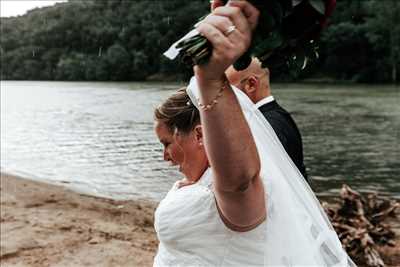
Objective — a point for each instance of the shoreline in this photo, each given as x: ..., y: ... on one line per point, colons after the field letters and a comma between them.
x: 47, y: 225
x: 50, y: 225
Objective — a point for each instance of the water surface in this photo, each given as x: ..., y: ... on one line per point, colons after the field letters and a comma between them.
x: 98, y: 137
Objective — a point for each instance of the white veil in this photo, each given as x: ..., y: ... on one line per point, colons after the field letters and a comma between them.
x: 298, y: 231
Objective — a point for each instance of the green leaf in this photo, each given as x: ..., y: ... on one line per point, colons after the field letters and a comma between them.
x: 273, y: 41
x: 318, y: 5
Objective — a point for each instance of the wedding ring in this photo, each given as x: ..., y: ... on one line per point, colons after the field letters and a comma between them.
x: 230, y: 30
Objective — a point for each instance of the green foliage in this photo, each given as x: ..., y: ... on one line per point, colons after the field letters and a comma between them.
x: 383, y: 33
x: 119, y: 62
x: 124, y: 40
x: 363, y: 42
x: 96, y: 40
x: 318, y: 5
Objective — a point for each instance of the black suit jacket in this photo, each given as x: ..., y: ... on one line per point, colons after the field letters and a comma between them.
x: 287, y: 132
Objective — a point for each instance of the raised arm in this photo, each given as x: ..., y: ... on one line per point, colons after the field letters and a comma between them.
x: 230, y: 147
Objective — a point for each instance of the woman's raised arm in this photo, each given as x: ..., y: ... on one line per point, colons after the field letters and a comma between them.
x: 230, y: 147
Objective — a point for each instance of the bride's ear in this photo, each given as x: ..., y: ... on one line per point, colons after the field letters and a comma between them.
x: 198, y: 131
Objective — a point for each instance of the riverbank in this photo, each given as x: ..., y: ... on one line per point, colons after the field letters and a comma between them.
x: 48, y: 225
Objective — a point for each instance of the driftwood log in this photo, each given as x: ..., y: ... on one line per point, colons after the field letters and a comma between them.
x: 361, y: 223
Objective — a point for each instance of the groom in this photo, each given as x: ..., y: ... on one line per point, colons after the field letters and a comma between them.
x: 254, y: 82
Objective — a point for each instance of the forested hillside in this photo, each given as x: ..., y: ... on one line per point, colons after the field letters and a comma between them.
x: 124, y: 40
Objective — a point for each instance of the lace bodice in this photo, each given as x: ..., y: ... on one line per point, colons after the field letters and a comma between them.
x: 191, y: 232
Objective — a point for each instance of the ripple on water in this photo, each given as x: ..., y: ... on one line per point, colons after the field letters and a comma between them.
x: 99, y: 137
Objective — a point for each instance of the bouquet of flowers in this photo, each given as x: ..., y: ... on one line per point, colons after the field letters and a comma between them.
x: 285, y: 35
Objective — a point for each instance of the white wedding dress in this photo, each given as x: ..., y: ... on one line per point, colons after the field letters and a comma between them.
x: 191, y: 232
x: 296, y: 231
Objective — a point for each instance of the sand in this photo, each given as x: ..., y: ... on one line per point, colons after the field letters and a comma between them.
x: 48, y: 225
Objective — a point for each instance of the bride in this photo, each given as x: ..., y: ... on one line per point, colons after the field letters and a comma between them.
x: 245, y: 203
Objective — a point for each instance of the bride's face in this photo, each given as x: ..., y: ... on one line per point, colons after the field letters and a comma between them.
x: 185, y: 150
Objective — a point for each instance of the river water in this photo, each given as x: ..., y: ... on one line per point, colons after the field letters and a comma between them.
x: 98, y: 138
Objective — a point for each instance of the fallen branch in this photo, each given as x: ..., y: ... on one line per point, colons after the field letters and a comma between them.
x: 359, y: 222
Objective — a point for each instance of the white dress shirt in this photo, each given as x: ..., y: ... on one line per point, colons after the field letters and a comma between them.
x: 265, y: 101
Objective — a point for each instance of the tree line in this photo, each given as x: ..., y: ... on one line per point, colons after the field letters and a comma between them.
x: 123, y: 40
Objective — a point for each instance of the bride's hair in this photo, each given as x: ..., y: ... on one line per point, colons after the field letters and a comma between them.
x: 178, y: 112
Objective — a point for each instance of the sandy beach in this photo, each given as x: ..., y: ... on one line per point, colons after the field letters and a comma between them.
x: 48, y: 225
